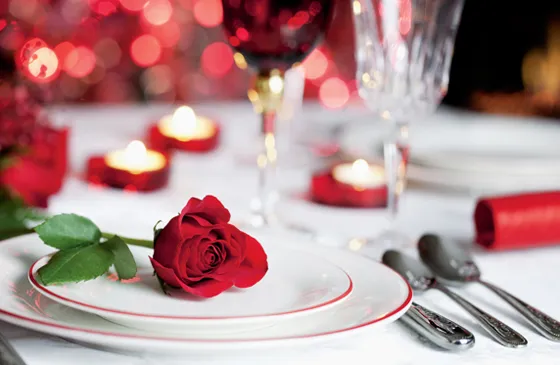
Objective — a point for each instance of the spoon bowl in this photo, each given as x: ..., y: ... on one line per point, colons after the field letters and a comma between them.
x: 446, y: 260
x: 417, y: 275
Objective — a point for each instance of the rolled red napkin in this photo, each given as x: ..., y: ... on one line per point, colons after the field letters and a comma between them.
x: 518, y: 221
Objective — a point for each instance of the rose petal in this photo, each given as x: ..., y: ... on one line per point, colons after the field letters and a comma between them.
x: 190, y: 227
x: 168, y: 243
x: 209, y: 288
x: 209, y: 208
x: 255, y: 265
x: 167, y: 275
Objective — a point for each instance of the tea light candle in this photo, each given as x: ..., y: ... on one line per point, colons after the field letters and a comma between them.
x: 132, y: 168
x: 184, y: 130
x: 185, y: 125
x: 136, y: 159
x: 360, y: 174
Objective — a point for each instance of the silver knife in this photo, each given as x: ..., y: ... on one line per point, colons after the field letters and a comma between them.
x: 438, y: 329
x: 8, y: 355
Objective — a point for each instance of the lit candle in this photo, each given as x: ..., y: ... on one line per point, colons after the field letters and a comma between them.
x: 136, y: 159
x: 185, y: 125
x: 360, y: 174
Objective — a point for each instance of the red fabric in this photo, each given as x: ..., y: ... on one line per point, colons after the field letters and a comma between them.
x: 325, y: 189
x: 518, y: 221
x: 39, y: 172
x: 158, y: 141
x: 99, y: 173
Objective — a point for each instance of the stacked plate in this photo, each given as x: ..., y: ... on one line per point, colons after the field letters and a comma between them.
x: 474, y: 152
x: 311, y: 294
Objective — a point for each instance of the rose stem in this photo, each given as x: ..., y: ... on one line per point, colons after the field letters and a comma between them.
x: 130, y: 241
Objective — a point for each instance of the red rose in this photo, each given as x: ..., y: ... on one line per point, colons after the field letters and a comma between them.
x: 39, y: 172
x: 200, y: 252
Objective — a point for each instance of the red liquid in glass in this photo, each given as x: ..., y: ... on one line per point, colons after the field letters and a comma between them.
x: 275, y: 33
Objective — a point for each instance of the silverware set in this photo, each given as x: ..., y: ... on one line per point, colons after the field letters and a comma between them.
x: 442, y: 264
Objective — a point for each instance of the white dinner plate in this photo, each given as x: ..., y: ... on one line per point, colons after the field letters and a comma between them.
x: 473, y: 152
x: 482, y: 146
x: 294, y: 285
x: 379, y: 296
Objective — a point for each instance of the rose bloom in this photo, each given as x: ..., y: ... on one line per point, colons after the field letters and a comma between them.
x: 201, y: 253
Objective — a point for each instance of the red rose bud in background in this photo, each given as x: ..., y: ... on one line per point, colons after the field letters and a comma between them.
x: 200, y: 252
x: 36, y: 171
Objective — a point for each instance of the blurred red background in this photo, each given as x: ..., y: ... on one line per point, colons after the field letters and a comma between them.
x: 114, y: 51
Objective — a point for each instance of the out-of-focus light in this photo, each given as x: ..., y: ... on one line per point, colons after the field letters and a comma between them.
x: 216, y: 60
x: 133, y: 5
x: 108, y: 51
x: 44, y: 66
x: 234, y: 41
x: 103, y: 7
x: 157, y: 12
x: 242, y: 34
x: 145, y: 50
x: 334, y: 93
x: 298, y: 20
x: 240, y: 60
x: 62, y: 51
x: 24, y: 9
x: 3, y: 24
x: 168, y: 34
x: 80, y: 62
x: 157, y: 80
x: 405, y: 17
x: 208, y: 13
x: 315, y: 65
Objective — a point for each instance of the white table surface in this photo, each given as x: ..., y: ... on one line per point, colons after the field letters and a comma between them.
x: 532, y: 274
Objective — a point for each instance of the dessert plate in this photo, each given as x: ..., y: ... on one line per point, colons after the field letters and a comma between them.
x: 293, y: 286
x: 379, y: 296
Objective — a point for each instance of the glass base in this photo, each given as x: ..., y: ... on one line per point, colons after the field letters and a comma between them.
x: 389, y: 239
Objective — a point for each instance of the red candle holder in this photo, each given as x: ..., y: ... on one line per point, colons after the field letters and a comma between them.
x: 325, y: 189
x: 101, y: 173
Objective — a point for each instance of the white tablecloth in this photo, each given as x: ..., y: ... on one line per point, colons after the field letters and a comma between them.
x: 529, y: 274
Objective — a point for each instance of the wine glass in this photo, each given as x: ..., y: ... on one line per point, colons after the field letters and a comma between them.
x: 273, y: 36
x: 403, y: 53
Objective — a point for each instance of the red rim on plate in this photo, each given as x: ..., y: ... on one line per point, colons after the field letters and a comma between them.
x: 75, y: 303
x: 9, y: 314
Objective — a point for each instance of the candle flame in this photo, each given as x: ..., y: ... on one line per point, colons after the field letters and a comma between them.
x: 183, y: 122
x: 360, y: 165
x: 136, y: 155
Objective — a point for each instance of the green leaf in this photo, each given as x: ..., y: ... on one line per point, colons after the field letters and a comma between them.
x: 124, y: 261
x: 67, y: 231
x: 162, y: 284
x: 77, y: 264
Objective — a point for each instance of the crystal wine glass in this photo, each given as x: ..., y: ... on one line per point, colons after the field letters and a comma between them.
x: 403, y: 53
x: 273, y: 36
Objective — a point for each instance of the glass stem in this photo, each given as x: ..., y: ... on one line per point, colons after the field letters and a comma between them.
x: 395, y: 155
x: 266, y: 162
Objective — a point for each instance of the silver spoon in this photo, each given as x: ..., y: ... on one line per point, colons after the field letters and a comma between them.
x: 421, y: 279
x: 450, y: 263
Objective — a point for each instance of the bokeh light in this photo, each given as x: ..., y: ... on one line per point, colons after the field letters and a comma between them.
x: 44, y: 66
x: 145, y: 50
x: 208, y: 13
x: 334, y: 93
x: 217, y: 60
x: 315, y: 65
x: 104, y: 7
x: 80, y: 62
x: 157, y: 12
x: 168, y: 34
x: 133, y: 5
